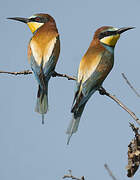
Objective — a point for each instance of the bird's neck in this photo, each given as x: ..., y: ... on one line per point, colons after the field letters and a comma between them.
x: 48, y: 27
x: 109, y: 48
x: 96, y: 42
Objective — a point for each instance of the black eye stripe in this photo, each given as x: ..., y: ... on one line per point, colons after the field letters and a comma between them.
x: 107, y: 33
x: 38, y: 19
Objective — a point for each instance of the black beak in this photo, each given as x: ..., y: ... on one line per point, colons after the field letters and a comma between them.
x: 24, y: 20
x: 121, y: 30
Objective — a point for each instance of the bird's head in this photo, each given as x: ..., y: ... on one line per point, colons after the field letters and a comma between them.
x: 36, y: 21
x: 109, y: 35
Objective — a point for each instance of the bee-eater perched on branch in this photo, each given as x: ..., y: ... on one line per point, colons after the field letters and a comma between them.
x: 93, y: 69
x: 43, y: 53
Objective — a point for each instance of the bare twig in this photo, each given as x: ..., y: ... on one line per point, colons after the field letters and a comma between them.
x: 130, y: 85
x: 26, y: 72
x: 109, y: 172
x: 72, y: 177
x: 102, y: 91
x: 134, y: 129
x: 55, y: 74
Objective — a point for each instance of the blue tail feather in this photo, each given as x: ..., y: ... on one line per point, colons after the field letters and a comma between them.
x: 74, y: 123
x: 42, y: 102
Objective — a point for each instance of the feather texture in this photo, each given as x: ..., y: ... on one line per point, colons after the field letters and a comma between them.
x: 93, y: 69
x: 43, y: 53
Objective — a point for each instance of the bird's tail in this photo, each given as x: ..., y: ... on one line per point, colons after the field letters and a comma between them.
x: 74, y: 123
x: 42, y: 102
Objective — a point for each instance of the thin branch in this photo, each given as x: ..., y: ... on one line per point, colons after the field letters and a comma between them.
x: 135, y: 129
x: 102, y: 91
x: 109, y: 172
x: 130, y: 85
x: 26, y: 72
x: 55, y: 74
x: 72, y: 177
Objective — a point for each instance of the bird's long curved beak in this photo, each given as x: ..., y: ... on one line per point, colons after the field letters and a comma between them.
x: 24, y: 20
x: 121, y: 30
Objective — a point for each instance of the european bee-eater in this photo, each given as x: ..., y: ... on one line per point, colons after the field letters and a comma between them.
x: 93, y: 69
x: 43, y: 53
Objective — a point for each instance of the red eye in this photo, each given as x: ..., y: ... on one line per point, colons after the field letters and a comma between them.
x: 37, y: 19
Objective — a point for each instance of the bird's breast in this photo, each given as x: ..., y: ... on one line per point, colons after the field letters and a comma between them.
x: 89, y: 64
x: 95, y: 60
x: 48, y: 51
x: 42, y: 47
x: 36, y: 52
x: 105, y: 65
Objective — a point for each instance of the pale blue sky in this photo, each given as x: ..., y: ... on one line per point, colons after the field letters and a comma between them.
x: 29, y: 150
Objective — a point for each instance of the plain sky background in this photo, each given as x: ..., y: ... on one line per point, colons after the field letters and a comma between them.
x: 31, y: 151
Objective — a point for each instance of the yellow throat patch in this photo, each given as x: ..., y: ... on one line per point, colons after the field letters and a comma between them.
x: 34, y: 26
x: 110, y: 40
